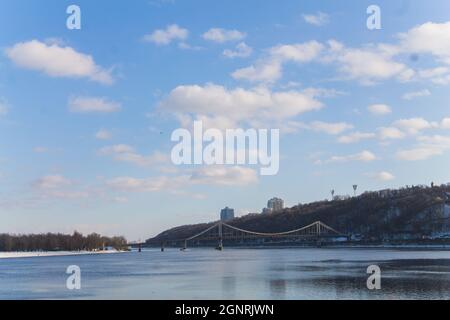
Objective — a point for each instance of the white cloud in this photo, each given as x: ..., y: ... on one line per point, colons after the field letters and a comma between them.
x: 428, y: 146
x: 57, y: 61
x: 420, y: 153
x: 300, y: 53
x: 445, y: 124
x: 226, y: 176
x: 270, y: 68
x: 364, y: 156
x: 52, y: 182
x: 318, y: 19
x: 386, y: 133
x: 4, y: 108
x: 438, y: 75
x: 369, y: 64
x: 437, y: 141
x: 166, y: 36
x: 431, y: 38
x: 356, y: 137
x: 330, y: 128
x: 262, y: 71
x: 40, y: 149
x: 125, y: 153
x: 222, y: 108
x: 414, y: 125
x: 222, y: 35
x: 103, y: 134
x: 416, y: 94
x: 382, y: 176
x: 214, y: 176
x: 93, y: 105
x: 242, y: 51
x: 379, y: 109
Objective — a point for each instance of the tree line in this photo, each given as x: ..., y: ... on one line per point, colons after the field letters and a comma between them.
x: 60, y: 242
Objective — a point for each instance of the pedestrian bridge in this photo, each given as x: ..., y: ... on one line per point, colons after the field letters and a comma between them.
x: 222, y: 232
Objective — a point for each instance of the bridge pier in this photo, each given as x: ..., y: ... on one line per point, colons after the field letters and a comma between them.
x: 184, y: 248
x: 220, y: 246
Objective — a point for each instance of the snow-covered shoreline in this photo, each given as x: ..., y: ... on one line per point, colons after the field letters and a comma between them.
x: 16, y: 255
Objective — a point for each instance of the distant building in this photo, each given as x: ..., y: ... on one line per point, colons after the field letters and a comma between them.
x: 266, y: 211
x: 275, y: 204
x: 227, y: 214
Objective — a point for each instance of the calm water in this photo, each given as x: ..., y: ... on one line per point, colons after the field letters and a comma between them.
x: 232, y: 274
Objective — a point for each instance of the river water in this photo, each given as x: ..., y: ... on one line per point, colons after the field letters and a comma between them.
x: 232, y: 274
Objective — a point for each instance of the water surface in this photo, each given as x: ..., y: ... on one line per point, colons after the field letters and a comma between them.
x: 232, y: 274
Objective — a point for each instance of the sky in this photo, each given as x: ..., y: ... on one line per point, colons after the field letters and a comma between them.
x: 86, y: 115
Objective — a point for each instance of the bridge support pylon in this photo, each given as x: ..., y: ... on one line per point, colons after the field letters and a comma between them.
x: 220, y: 246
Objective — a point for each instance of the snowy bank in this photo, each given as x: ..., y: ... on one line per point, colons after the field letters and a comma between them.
x: 13, y: 255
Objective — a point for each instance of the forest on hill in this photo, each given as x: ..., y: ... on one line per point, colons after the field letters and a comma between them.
x: 413, y: 212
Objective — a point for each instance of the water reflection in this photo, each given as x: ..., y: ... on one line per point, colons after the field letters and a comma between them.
x: 232, y: 274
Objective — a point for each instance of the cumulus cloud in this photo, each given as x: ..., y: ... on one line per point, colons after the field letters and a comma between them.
x: 93, y: 105
x: 57, y: 61
x: 427, y: 147
x: 382, y: 176
x: 419, y: 153
x: 414, y: 125
x: 40, y: 149
x: 211, y: 175
x: 300, y: 53
x: 416, y: 94
x: 368, y: 65
x: 103, y: 134
x: 125, y: 153
x: 262, y: 71
x: 355, y: 137
x: 60, y: 187
x: 52, y: 182
x: 270, y: 68
x: 386, y: 133
x: 166, y: 36
x: 4, y: 108
x: 431, y: 38
x: 364, y: 156
x: 319, y: 19
x: 242, y: 50
x: 445, y: 124
x: 220, y: 107
x: 226, y: 176
x: 329, y: 128
x: 222, y: 35
x: 379, y: 109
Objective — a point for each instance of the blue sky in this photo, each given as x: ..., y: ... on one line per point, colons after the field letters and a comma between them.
x: 86, y: 115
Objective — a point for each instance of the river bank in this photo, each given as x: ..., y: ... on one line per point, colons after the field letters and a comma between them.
x: 17, y: 255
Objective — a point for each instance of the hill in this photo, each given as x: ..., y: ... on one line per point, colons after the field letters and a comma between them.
x: 416, y: 212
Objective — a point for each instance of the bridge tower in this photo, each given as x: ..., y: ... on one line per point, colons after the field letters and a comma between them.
x: 220, y: 246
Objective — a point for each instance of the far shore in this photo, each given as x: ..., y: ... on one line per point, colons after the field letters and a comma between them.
x: 16, y: 255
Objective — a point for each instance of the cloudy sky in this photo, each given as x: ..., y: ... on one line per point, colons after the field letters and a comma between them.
x: 86, y: 115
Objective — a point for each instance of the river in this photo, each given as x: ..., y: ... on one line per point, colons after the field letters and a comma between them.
x: 306, y: 273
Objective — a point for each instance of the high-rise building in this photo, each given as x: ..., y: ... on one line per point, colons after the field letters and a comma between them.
x: 227, y: 214
x: 275, y: 204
